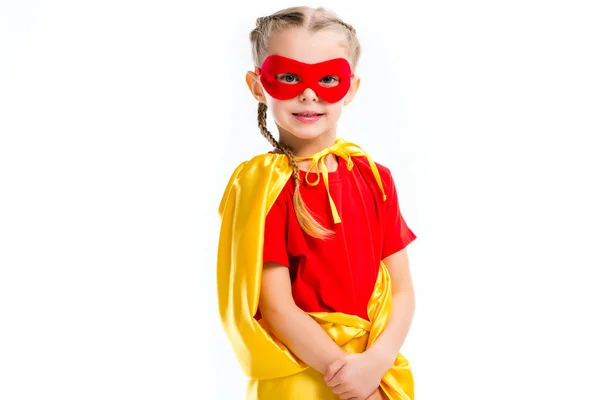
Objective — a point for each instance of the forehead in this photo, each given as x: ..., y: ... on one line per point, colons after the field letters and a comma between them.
x: 307, y: 47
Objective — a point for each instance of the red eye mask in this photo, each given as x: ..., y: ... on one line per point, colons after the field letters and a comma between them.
x: 308, y: 75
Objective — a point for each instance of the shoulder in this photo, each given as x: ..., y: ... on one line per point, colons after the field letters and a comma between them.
x: 258, y: 160
x: 259, y: 165
x: 257, y: 177
x: 384, y: 172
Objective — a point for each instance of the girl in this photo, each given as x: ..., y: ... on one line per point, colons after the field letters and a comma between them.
x: 314, y: 287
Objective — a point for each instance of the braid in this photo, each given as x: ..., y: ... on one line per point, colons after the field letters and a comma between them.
x: 262, y: 125
x: 305, y: 218
x: 345, y: 25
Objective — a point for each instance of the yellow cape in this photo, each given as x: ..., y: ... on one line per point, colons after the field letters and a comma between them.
x: 274, y: 372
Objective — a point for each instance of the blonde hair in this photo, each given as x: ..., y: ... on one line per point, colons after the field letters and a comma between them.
x: 313, y: 19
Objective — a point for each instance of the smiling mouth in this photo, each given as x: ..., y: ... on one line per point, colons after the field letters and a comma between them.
x: 308, y: 115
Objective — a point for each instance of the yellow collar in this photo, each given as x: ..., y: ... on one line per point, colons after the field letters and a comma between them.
x: 345, y: 150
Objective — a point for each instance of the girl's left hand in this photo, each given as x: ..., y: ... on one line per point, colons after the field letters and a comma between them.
x: 355, y: 376
x: 378, y: 395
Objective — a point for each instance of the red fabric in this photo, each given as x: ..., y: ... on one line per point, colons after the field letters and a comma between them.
x: 337, y: 275
x: 309, y: 75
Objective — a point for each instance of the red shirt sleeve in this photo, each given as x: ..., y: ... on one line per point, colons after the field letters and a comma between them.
x: 396, y: 233
x: 275, y: 244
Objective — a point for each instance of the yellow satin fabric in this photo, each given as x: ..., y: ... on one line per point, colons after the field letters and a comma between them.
x: 354, y: 335
x: 345, y: 150
x: 273, y: 370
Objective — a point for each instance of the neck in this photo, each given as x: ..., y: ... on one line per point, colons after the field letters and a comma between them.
x: 302, y: 147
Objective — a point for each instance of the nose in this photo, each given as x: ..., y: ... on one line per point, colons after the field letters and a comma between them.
x: 308, y: 94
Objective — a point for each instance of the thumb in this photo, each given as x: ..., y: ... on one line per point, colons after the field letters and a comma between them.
x: 334, y: 368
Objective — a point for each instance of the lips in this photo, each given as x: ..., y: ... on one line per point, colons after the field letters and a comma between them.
x: 308, y: 117
x: 308, y: 114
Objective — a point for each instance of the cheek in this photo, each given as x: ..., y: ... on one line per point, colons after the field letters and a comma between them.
x: 280, y: 107
x: 271, y: 102
x: 279, y: 110
x: 336, y: 108
x: 274, y: 104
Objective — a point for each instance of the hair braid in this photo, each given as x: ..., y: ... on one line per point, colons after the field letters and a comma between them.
x: 305, y: 218
x: 346, y: 25
x: 262, y: 125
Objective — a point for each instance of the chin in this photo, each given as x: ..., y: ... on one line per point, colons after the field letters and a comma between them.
x: 304, y: 132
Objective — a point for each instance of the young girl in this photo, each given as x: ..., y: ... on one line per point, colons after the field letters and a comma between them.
x: 314, y: 287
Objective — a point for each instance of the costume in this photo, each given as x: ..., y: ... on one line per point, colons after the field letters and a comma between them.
x: 274, y: 372
x: 337, y: 274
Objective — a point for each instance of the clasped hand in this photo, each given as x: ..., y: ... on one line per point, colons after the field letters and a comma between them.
x: 356, y: 377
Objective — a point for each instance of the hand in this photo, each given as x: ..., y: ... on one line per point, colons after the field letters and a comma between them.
x: 355, y: 376
x: 377, y: 395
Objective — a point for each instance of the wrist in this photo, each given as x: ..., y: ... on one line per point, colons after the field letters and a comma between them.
x: 382, y: 357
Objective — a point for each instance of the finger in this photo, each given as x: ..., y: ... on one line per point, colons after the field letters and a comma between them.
x: 339, y: 389
x: 337, y: 379
x: 333, y: 369
x: 346, y: 396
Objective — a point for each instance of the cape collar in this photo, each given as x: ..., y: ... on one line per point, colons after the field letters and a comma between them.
x: 343, y: 149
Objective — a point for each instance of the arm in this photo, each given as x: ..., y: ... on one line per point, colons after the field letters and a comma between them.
x: 363, y: 372
x: 397, y: 236
x: 359, y: 375
x: 387, y: 346
x: 296, y: 329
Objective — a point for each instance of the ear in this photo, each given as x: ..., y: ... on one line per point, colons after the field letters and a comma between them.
x: 255, y: 87
x: 352, y: 91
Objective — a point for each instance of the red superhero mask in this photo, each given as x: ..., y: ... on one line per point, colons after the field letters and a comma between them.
x: 307, y: 75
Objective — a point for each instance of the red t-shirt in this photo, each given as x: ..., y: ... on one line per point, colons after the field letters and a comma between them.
x: 337, y: 275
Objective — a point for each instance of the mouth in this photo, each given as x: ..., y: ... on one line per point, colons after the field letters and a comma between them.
x: 308, y: 114
x: 308, y: 117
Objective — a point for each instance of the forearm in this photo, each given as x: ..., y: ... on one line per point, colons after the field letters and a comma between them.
x: 387, y: 346
x: 304, y: 337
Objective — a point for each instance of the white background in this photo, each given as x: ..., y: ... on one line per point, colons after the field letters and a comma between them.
x: 121, y: 121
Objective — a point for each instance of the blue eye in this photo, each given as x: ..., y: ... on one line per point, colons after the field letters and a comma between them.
x: 330, y: 80
x: 288, y: 78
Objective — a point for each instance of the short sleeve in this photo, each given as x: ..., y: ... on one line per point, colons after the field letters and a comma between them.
x: 275, y: 243
x: 396, y: 233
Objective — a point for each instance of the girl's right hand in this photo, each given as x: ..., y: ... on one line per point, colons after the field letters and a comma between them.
x: 355, y: 377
